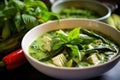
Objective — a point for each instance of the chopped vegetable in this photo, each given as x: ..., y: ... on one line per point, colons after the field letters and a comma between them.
x: 59, y: 60
x: 93, y: 59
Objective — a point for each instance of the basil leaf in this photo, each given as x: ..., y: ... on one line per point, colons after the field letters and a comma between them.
x: 19, y: 4
x: 30, y: 21
x: 9, y: 12
x: 76, y: 41
x: 34, y: 4
x: 48, y: 15
x: 27, y: 1
x: 18, y: 22
x: 75, y: 51
x: 74, y: 34
x: 57, y: 45
x: 63, y: 36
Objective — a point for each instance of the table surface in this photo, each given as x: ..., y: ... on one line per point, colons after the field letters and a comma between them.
x: 27, y: 72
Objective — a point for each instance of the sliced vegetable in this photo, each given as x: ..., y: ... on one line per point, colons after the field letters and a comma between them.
x: 93, y: 59
x: 59, y: 60
x: 69, y: 63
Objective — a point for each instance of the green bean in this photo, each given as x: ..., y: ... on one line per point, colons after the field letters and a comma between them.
x: 85, y: 31
x: 11, y: 43
x: 100, y: 50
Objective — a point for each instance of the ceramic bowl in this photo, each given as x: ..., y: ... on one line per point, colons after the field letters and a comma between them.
x: 103, y: 10
x: 64, y: 72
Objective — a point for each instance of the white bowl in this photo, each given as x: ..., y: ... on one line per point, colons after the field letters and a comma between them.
x: 70, y: 73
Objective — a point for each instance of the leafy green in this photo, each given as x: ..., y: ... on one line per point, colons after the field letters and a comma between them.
x: 74, y: 34
x: 18, y: 4
x: 18, y: 22
x: 29, y: 21
x: 35, y: 4
x: 70, y: 37
x: 25, y: 14
x: 56, y: 45
x: 75, y: 51
x: 62, y: 35
x: 22, y: 15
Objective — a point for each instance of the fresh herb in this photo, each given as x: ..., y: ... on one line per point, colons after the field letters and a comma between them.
x: 17, y: 16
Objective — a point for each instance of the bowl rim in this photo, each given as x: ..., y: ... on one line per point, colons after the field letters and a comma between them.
x: 117, y: 57
x: 58, y: 2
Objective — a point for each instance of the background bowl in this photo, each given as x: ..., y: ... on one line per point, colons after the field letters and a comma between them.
x: 71, y: 73
x: 103, y: 10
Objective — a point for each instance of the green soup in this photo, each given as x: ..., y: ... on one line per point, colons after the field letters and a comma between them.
x: 73, y: 48
x: 73, y: 12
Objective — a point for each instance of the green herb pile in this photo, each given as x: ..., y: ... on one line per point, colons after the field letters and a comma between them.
x: 17, y: 17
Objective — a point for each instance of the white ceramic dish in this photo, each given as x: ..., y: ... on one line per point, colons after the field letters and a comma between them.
x: 70, y: 73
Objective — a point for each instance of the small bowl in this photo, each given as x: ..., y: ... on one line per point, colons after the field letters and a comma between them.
x: 103, y: 10
x: 64, y: 72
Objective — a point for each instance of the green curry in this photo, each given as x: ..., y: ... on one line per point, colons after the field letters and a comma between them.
x: 73, y: 12
x: 76, y: 47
